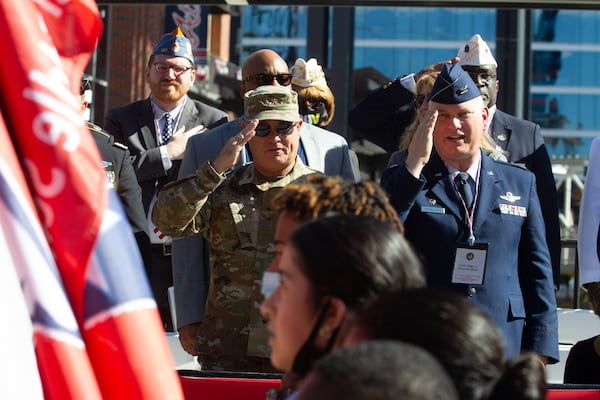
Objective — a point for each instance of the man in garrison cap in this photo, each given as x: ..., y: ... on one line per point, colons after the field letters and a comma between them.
x: 156, y: 131
x: 235, y: 214
x: 521, y: 139
x: 485, y: 217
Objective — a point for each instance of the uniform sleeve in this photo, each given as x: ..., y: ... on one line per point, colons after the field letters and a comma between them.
x: 383, y: 115
x: 540, y: 333
x: 177, y: 211
x: 191, y: 270
x: 402, y: 188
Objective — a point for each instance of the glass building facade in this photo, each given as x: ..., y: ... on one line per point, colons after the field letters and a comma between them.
x: 565, y: 52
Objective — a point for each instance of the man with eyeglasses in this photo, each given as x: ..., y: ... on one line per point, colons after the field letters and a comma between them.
x: 521, y: 139
x: 320, y: 149
x: 156, y: 131
x: 234, y: 212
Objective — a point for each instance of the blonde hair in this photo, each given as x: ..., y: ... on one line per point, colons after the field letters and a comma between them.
x: 316, y: 94
x: 426, y: 80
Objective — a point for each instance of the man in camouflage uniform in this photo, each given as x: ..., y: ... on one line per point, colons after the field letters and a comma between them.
x: 235, y: 214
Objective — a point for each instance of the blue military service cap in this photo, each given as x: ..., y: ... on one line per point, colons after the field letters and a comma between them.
x: 453, y: 86
x: 174, y: 44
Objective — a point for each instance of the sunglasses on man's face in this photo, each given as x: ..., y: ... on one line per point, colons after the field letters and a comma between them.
x: 267, y: 79
x: 283, y: 128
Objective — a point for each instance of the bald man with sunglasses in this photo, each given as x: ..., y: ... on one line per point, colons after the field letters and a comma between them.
x: 320, y: 149
x: 234, y: 213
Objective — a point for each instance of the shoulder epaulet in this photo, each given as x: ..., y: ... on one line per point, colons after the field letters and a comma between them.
x: 120, y: 145
x: 96, y: 129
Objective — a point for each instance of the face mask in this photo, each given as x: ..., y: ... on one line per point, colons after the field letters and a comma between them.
x: 314, y: 114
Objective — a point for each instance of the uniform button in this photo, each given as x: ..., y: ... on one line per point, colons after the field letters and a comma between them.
x: 472, y: 291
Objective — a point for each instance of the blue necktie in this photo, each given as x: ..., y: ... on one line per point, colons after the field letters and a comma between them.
x: 464, y: 188
x: 167, y: 131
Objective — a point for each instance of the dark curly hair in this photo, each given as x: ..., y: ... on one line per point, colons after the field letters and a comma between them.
x: 322, y: 195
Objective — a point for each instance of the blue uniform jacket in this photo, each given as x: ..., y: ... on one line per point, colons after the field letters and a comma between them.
x: 517, y: 291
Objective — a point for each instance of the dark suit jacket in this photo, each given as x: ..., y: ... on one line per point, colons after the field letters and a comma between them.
x: 325, y: 151
x: 517, y: 292
x: 118, y: 167
x: 525, y: 145
x: 133, y: 125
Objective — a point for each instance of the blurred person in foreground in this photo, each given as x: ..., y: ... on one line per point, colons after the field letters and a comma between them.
x: 378, y: 370
x: 329, y: 269
x: 455, y: 331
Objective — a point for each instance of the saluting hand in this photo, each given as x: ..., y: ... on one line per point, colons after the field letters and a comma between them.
x: 230, y: 153
x: 419, y: 149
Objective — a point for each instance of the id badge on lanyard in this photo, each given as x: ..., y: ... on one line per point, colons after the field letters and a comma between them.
x: 469, y: 263
x: 470, y: 257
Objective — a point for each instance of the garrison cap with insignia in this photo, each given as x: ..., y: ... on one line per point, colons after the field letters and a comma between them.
x: 453, y: 86
x: 271, y: 102
x: 174, y: 44
x: 476, y: 52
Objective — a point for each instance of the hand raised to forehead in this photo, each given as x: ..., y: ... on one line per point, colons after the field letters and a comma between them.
x: 419, y: 149
x: 230, y: 153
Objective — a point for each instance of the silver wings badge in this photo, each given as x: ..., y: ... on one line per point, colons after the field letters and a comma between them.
x: 510, y: 197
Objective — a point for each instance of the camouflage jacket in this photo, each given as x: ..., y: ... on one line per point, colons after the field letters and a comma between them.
x: 235, y: 215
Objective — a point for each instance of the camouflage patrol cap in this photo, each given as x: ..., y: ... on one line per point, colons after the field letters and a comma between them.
x: 271, y: 102
x: 174, y: 44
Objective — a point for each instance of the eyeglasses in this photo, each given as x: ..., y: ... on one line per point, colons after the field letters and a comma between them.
x: 267, y: 79
x: 283, y: 128
x: 420, y: 99
x: 481, y: 76
x: 163, y: 68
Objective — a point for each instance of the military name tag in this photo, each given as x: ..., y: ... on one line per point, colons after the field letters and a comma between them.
x: 469, y: 263
x: 435, y: 210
